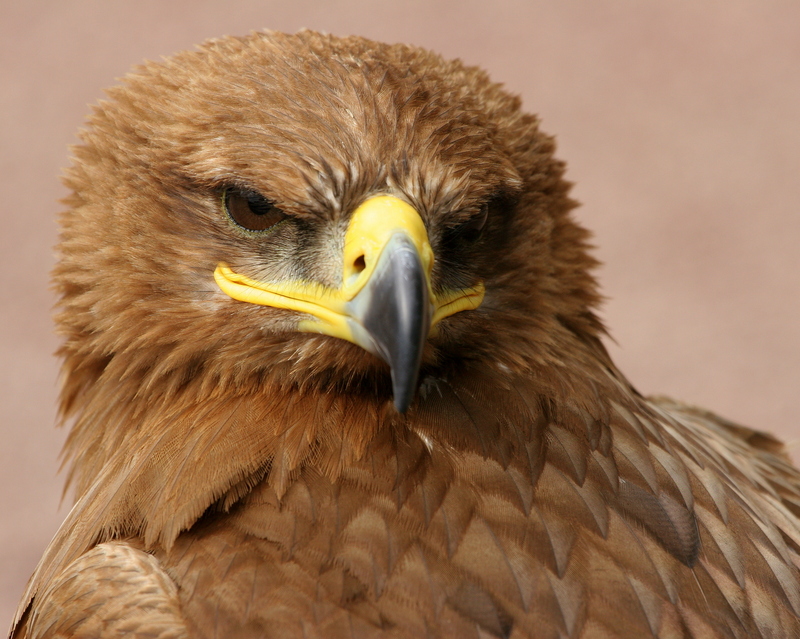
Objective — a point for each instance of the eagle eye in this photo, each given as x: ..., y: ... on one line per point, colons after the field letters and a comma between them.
x: 251, y: 211
x: 470, y: 231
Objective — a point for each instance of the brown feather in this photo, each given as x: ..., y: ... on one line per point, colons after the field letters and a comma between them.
x: 236, y: 478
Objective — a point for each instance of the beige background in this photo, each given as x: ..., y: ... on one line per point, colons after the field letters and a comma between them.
x: 679, y: 121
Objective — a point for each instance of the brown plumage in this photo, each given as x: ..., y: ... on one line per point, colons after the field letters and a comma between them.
x: 239, y: 476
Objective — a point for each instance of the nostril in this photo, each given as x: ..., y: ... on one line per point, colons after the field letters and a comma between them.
x: 360, y: 264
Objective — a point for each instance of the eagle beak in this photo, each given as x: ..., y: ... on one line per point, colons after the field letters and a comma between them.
x: 387, y: 267
x: 385, y: 304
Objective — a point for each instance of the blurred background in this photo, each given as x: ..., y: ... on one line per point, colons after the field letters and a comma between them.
x: 680, y: 123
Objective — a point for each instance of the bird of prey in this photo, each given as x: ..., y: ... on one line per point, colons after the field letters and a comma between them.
x: 333, y: 368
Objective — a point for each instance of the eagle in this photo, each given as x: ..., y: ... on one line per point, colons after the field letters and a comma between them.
x: 333, y: 368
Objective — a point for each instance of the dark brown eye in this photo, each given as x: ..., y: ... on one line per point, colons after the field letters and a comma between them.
x: 470, y: 231
x: 252, y: 211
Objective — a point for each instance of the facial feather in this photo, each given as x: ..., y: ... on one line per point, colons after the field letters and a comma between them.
x: 139, y: 307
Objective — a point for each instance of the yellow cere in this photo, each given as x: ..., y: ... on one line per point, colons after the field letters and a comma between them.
x: 371, y: 227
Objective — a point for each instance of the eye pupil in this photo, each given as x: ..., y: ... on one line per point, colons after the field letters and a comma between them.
x: 252, y: 211
x: 258, y: 205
